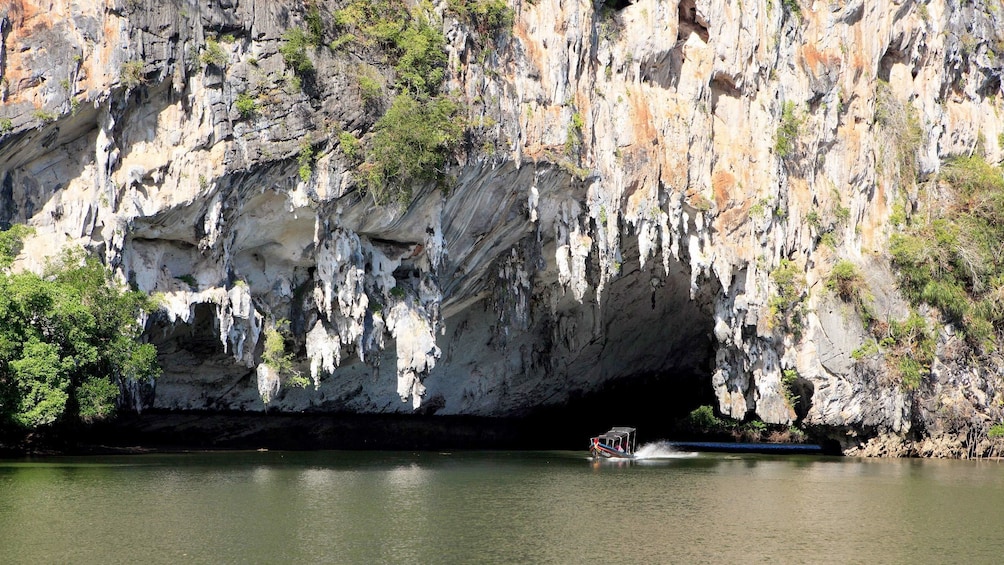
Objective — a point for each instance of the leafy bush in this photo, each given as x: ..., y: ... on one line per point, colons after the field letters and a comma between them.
x: 10, y: 243
x: 951, y: 259
x: 245, y: 105
x: 868, y: 349
x: 787, y: 131
x: 131, y: 74
x: 45, y: 116
x: 415, y: 48
x: 6, y: 125
x: 370, y: 84
x: 96, y: 399
x: 315, y: 25
x: 789, y: 384
x: 487, y: 16
x: 421, y: 63
x: 702, y: 419
x: 67, y: 341
x: 376, y: 21
x: 349, y: 144
x: 274, y: 355
x: 412, y: 140
x: 786, y: 306
x: 910, y: 349
x: 213, y: 54
x: 410, y: 144
x: 845, y: 280
x: 294, y: 51
x: 305, y: 161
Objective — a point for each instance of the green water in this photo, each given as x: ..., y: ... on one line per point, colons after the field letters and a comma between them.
x: 490, y: 507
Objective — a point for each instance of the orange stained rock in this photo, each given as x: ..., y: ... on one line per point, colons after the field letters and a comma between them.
x: 644, y: 129
x: 723, y: 183
x: 818, y: 62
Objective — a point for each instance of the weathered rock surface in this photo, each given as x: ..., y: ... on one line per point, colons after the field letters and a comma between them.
x: 547, y: 272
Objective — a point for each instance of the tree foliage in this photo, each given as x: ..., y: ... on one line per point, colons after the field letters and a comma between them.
x: 68, y: 340
x: 952, y: 258
x: 788, y: 130
x: 412, y: 141
x: 410, y: 145
x: 294, y: 51
x: 787, y: 304
x: 487, y: 16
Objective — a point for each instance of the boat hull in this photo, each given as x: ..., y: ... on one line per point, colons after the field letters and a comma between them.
x: 604, y: 452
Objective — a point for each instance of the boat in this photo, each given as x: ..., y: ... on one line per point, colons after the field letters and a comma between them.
x: 618, y: 443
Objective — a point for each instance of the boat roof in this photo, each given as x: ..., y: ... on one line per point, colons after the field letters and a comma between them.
x: 618, y: 432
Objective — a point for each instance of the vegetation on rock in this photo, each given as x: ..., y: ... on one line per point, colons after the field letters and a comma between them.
x: 787, y: 304
x: 487, y: 16
x: 245, y: 105
x: 787, y: 131
x: 900, y: 121
x: 703, y: 423
x: 131, y: 74
x: 213, y: 55
x: 305, y: 161
x: 68, y: 340
x: 275, y: 356
x: 950, y: 256
x: 410, y: 144
x: 294, y: 51
x: 847, y: 282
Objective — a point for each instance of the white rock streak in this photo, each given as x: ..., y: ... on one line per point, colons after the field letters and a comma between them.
x: 417, y: 351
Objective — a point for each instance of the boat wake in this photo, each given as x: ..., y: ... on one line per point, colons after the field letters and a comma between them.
x: 661, y: 450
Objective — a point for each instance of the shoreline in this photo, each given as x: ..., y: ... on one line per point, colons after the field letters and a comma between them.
x: 170, y: 431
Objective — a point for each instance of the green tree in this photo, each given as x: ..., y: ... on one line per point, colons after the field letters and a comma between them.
x: 294, y: 51
x: 410, y: 144
x: 951, y: 258
x: 68, y: 340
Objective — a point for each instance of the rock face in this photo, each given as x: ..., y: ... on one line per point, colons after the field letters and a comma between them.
x: 618, y: 210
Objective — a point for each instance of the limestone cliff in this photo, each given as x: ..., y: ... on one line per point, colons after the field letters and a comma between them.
x: 620, y: 208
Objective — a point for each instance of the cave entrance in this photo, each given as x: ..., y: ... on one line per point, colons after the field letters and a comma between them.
x: 650, y: 364
x: 653, y: 403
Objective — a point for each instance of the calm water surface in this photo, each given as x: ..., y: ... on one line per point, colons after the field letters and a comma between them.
x: 492, y: 507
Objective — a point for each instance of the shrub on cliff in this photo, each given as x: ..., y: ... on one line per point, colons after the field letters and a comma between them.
x: 213, y: 54
x: 131, y: 74
x: 67, y: 341
x: 950, y: 257
x: 275, y: 356
x: 788, y: 130
x: 487, y: 16
x: 411, y: 142
x: 410, y: 145
x: 787, y: 303
x: 294, y: 51
x: 415, y: 48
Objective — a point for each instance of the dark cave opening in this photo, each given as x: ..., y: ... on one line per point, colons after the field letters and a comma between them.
x: 617, y: 4
x: 654, y: 403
